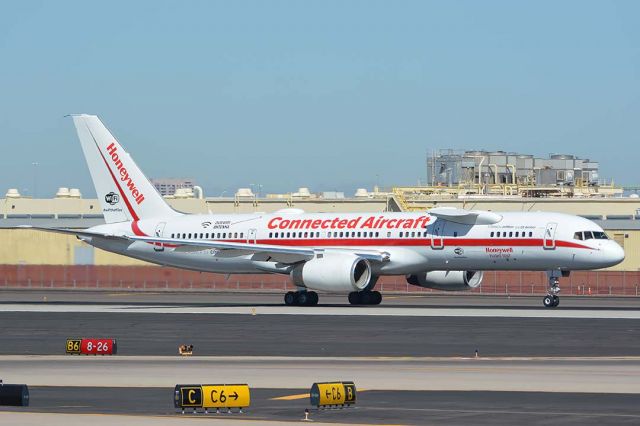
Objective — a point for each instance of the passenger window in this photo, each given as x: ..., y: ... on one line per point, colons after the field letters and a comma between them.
x: 269, y: 234
x: 530, y: 234
x: 171, y: 235
x: 510, y: 234
x: 491, y: 234
x: 400, y: 234
x: 241, y: 234
x: 413, y: 234
x: 329, y: 234
x: 455, y: 233
x: 517, y: 234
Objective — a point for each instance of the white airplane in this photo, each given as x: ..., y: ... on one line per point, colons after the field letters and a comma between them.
x: 443, y: 248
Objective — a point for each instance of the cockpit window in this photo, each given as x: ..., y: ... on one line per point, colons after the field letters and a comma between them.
x: 589, y: 235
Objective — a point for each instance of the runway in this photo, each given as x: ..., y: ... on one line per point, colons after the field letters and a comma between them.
x: 413, y: 357
x: 593, y: 375
x: 321, y: 334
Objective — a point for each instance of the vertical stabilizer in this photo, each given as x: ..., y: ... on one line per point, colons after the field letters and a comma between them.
x: 124, y: 192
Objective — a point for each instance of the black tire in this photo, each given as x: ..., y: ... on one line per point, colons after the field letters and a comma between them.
x: 354, y: 298
x: 303, y: 298
x: 556, y: 301
x: 290, y: 298
x: 547, y: 301
x: 367, y: 297
x: 313, y: 298
x: 377, y: 297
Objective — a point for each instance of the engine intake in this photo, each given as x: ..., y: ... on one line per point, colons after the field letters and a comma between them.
x: 333, y: 272
x: 447, y: 280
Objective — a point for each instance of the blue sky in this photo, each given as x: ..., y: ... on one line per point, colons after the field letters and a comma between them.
x: 326, y: 94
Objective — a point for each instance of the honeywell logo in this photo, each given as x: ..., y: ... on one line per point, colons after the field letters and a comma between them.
x: 124, y: 174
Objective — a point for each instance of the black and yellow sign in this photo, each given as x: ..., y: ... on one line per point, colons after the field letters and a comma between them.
x: 225, y: 396
x: 73, y: 346
x: 189, y: 396
x: 212, y: 396
x: 333, y: 393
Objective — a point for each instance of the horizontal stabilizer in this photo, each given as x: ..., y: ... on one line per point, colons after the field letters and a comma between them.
x: 76, y: 232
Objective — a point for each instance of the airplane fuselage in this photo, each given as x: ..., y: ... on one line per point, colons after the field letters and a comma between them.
x: 416, y: 242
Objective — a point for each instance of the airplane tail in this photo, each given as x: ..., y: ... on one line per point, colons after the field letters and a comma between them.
x: 124, y: 192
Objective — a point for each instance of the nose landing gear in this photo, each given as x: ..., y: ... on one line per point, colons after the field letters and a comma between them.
x: 551, y: 300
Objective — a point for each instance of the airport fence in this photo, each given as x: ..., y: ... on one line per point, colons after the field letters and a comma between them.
x: 156, y: 278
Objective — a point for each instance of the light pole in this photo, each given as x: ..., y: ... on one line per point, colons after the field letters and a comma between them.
x: 35, y: 179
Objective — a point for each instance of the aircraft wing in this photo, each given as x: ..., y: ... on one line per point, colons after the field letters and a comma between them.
x: 466, y: 217
x: 285, y: 254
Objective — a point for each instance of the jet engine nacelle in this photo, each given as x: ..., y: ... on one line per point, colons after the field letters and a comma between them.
x: 447, y: 280
x: 333, y: 272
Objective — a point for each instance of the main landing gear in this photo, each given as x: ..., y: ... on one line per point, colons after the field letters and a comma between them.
x: 365, y: 297
x: 551, y: 300
x: 301, y: 298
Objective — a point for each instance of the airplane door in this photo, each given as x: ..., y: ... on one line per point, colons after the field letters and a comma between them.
x: 158, y: 233
x: 251, y: 236
x: 549, y: 241
x: 437, y: 240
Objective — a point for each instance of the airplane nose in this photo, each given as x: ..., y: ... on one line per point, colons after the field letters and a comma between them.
x: 613, y: 254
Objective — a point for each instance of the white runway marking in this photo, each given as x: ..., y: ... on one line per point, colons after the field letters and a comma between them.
x: 331, y: 310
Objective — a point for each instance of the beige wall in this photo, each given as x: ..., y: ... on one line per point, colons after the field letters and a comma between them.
x: 24, y: 246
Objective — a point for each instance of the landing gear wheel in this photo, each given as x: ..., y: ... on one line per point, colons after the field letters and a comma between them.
x: 365, y: 297
x: 290, y: 298
x: 548, y: 301
x: 551, y: 300
x: 303, y: 298
x: 354, y: 298
x: 313, y: 298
